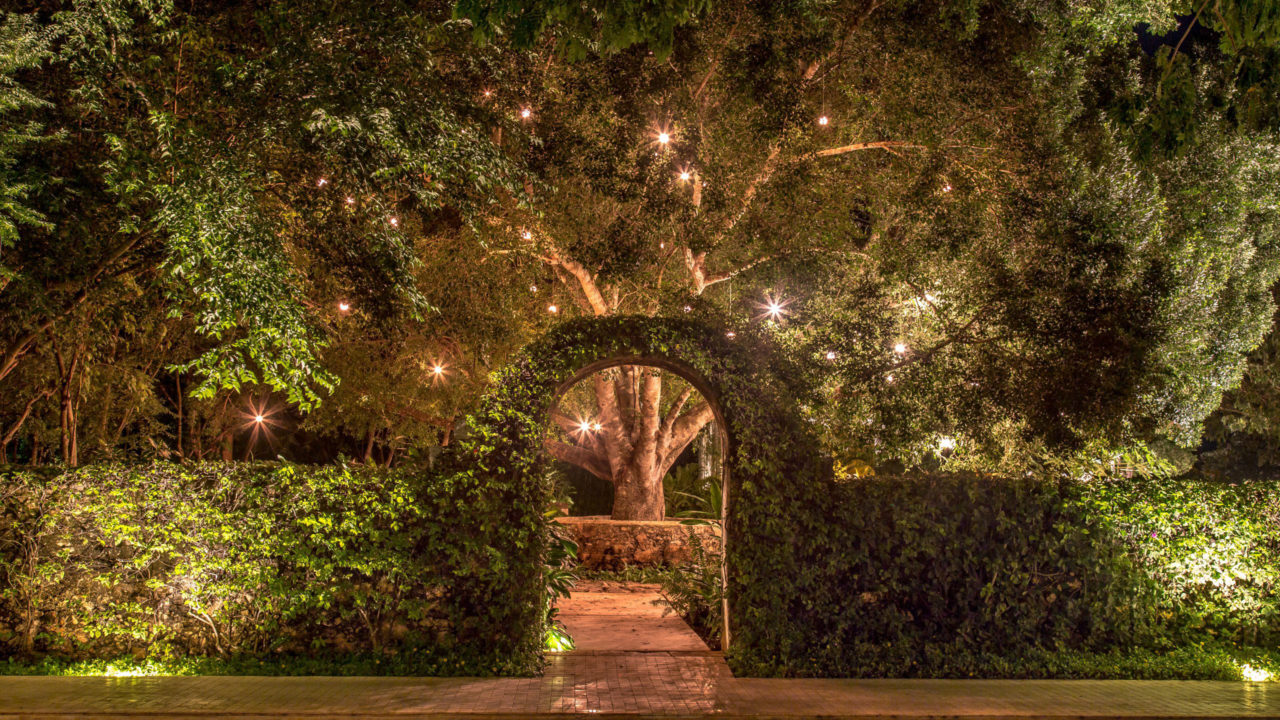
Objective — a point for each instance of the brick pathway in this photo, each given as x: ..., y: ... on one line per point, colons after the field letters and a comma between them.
x: 624, y: 617
x: 668, y: 685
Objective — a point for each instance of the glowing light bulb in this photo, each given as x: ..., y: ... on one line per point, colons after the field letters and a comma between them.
x: 900, y: 348
x: 596, y: 427
x: 888, y: 378
x: 664, y: 138
x: 487, y: 93
x: 831, y: 354
x: 351, y: 200
x: 584, y: 426
x: 688, y: 308
x: 731, y: 334
x: 525, y: 113
x: 395, y: 222
x: 823, y: 120
x: 684, y: 176
x: 526, y: 235
x: 344, y: 306
x: 437, y: 370
x: 946, y: 187
x: 321, y: 182
x: 662, y: 246
x: 946, y: 444
x: 258, y: 418
x: 553, y: 309
x: 533, y: 288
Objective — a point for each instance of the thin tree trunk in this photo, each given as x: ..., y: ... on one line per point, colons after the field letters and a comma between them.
x: 177, y: 381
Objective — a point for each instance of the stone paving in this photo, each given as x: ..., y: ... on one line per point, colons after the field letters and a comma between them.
x: 607, y: 677
x: 655, y: 684
x: 630, y: 617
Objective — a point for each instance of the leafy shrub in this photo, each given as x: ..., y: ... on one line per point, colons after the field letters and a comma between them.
x: 265, y: 560
x: 956, y: 575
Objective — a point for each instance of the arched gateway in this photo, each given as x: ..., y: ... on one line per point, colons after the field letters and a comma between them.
x: 772, y: 462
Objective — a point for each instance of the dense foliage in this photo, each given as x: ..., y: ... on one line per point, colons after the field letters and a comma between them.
x: 327, y: 203
x: 962, y: 574
x: 258, y: 563
x: 943, y: 574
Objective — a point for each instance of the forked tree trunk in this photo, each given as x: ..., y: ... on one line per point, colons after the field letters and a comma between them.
x: 635, y: 443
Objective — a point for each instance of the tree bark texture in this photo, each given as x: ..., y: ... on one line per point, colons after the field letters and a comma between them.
x: 631, y: 442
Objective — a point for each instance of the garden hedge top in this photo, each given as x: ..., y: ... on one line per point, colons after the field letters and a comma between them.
x: 773, y: 463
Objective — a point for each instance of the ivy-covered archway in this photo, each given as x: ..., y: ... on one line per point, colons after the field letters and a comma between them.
x: 773, y: 464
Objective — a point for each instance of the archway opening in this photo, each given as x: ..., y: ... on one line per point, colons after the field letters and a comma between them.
x: 638, y: 448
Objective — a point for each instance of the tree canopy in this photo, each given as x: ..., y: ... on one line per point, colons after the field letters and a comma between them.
x: 1019, y: 227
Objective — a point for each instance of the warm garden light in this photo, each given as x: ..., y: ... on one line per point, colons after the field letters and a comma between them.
x: 823, y: 120
x: 1253, y: 674
x: 526, y: 235
x: 437, y: 370
x: 344, y: 306
x: 663, y: 138
x: 553, y: 309
x: 351, y: 200
x: 946, y: 187
x: 946, y: 444
x: 525, y: 113
x: 685, y: 175
x: 259, y: 419
x: 731, y: 334
x: 900, y: 348
x: 395, y: 222
x: 831, y: 354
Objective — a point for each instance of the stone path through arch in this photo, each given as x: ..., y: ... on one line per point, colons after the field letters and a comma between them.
x: 614, y: 617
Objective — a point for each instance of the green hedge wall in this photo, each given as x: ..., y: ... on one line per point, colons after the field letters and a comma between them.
x: 950, y: 575
x: 268, y: 560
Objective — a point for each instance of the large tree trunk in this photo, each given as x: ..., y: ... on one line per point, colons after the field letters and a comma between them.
x: 638, y: 496
x: 635, y: 443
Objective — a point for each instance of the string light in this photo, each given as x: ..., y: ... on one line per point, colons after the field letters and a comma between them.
x: 888, y: 378
x: 774, y: 308
x: 900, y: 348
x: 685, y: 175
x: 823, y: 120
x: 688, y: 308
x: 487, y: 92
x: 351, y: 200
x: 533, y: 288
x: 321, y: 182
x: 525, y: 113
x: 831, y: 354
x: 259, y: 419
x: 344, y: 306
x: 731, y: 334
x: 946, y: 187
x: 526, y: 235
x: 553, y: 309
x: 437, y: 370
x: 662, y: 246
x: 663, y: 138
x: 946, y: 444
x: 394, y: 222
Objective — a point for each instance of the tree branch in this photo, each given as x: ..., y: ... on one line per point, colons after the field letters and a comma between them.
x: 887, y: 145
x: 579, y: 456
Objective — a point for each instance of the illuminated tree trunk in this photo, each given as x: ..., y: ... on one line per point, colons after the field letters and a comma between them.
x: 635, y: 443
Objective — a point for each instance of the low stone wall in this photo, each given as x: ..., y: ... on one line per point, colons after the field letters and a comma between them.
x: 607, y: 544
